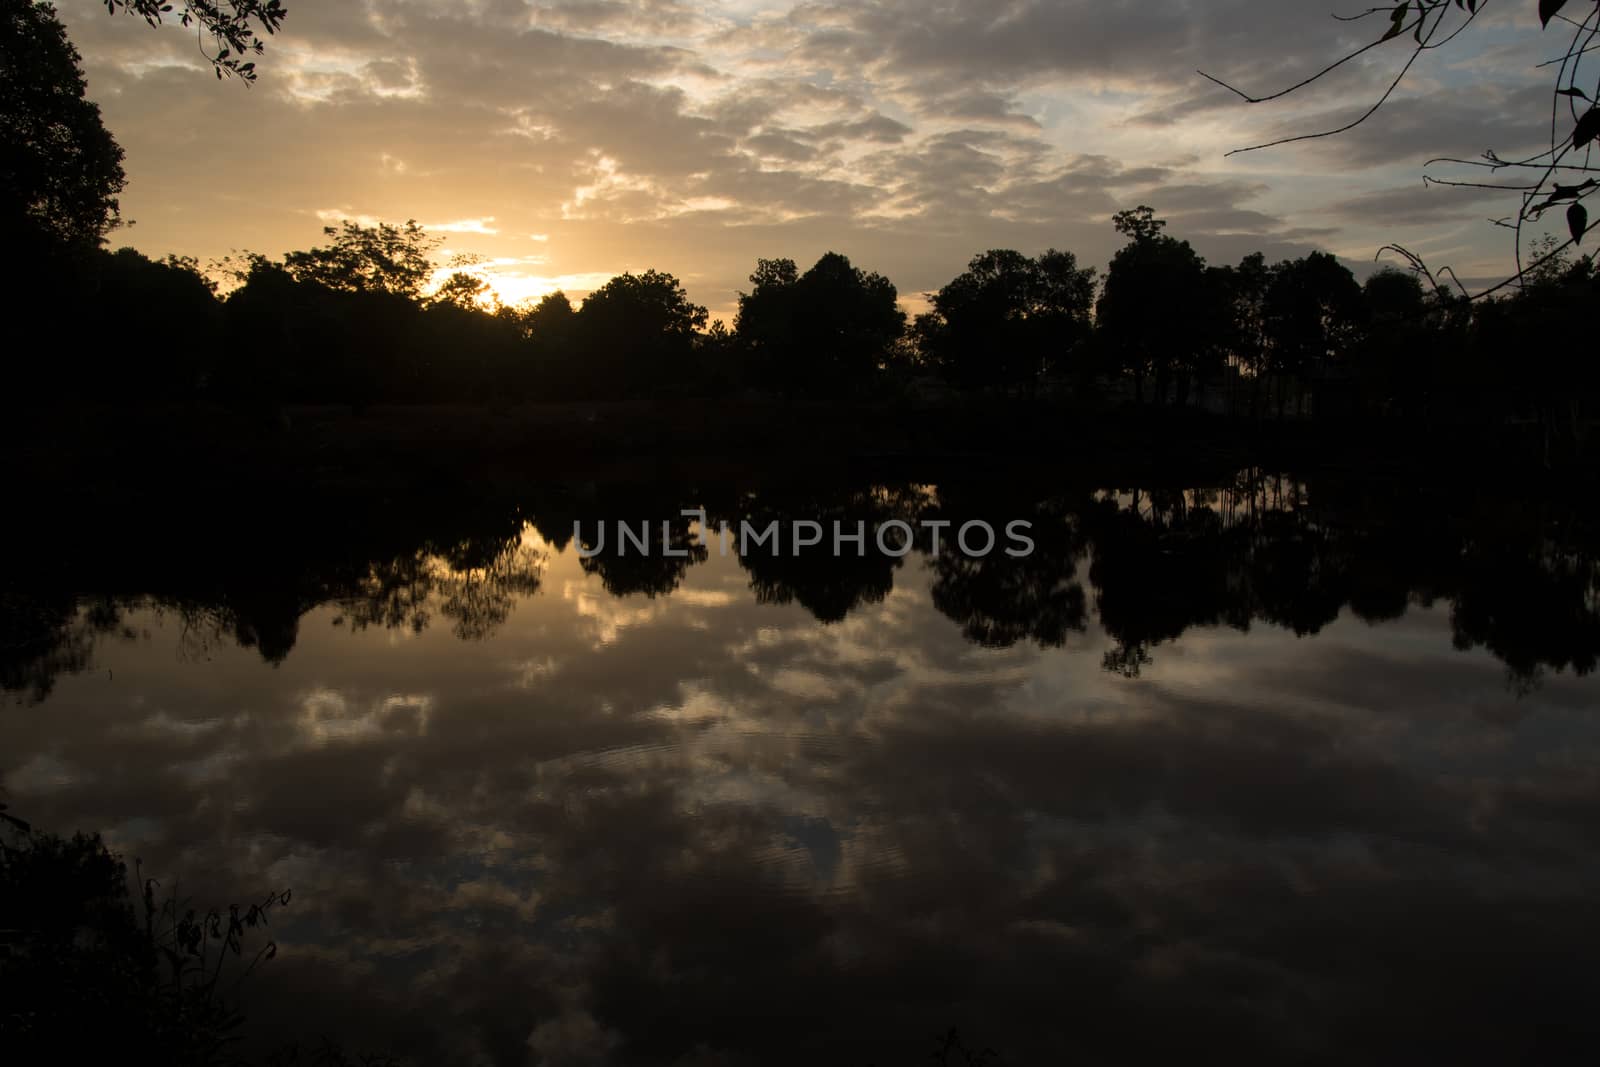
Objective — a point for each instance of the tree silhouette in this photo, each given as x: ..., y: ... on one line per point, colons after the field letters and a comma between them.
x: 475, y: 582
x: 1313, y: 316
x: 1008, y: 318
x: 83, y: 980
x: 829, y: 585
x: 1160, y: 566
x: 548, y: 329
x: 548, y: 322
x: 636, y: 334
x: 829, y: 328
x: 368, y: 259
x: 1532, y: 610
x: 44, y: 636
x: 1000, y: 599
x: 302, y: 341
x: 1243, y: 291
x: 1138, y: 223
x: 461, y: 289
x: 658, y: 570
x: 1533, y: 350
x: 349, y: 322
x: 1159, y: 312
x: 60, y: 169
x: 146, y: 318
x: 718, y: 359
x: 1402, y: 352
x: 768, y: 320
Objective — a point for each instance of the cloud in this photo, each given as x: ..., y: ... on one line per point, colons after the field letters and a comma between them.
x: 706, y: 821
x: 464, y: 226
x: 697, y: 138
x: 1418, y: 203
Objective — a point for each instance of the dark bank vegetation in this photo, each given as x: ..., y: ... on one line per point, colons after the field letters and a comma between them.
x: 85, y: 977
x: 353, y: 323
x: 364, y: 320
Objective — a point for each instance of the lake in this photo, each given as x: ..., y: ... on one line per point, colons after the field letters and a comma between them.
x: 1273, y: 769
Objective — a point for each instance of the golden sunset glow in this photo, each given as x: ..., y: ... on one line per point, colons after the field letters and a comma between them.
x: 770, y: 533
x: 566, y: 142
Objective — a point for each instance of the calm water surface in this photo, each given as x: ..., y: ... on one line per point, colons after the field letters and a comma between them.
x: 1276, y: 771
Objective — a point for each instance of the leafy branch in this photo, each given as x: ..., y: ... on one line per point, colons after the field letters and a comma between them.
x: 234, y: 28
x: 1574, y: 119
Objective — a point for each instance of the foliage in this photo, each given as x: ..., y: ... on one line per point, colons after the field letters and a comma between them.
x: 156, y: 330
x: 548, y: 322
x: 636, y: 334
x: 1312, y: 313
x: 1243, y: 289
x: 234, y: 27
x: 829, y: 328
x: 1559, y: 177
x: 1138, y: 223
x: 60, y: 169
x: 1008, y: 318
x: 352, y: 322
x: 76, y: 954
x: 462, y: 289
x: 1548, y: 324
x: 951, y: 1046
x: 1160, y: 314
x: 1400, y: 354
x: 368, y: 259
x: 664, y: 309
x: 142, y: 331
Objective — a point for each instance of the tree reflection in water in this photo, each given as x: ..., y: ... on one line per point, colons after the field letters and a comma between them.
x: 794, y: 808
x: 1521, y: 580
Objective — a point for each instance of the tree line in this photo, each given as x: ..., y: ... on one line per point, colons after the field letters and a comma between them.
x: 359, y: 319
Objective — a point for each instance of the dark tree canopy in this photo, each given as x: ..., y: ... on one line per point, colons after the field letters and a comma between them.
x: 1244, y: 288
x: 1138, y: 223
x: 644, y: 305
x: 368, y: 259
x: 635, y: 334
x: 1008, y: 318
x: 462, y: 289
x: 60, y: 169
x: 547, y: 324
x: 1394, y: 296
x: 154, y: 328
x: 553, y: 312
x: 1313, y: 312
x: 828, y: 328
x: 1160, y: 312
x: 829, y: 585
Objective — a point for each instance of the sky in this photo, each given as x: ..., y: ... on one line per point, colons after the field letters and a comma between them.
x: 567, y: 142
